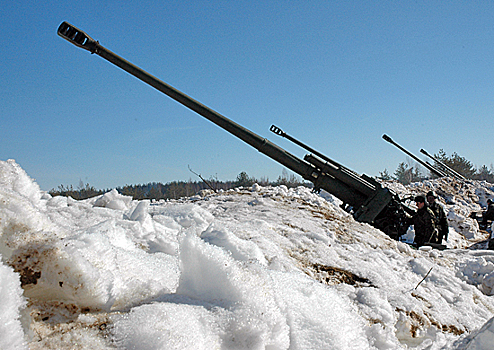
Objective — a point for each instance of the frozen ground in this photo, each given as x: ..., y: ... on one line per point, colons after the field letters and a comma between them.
x: 256, y: 268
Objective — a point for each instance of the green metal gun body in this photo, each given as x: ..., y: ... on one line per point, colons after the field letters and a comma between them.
x: 366, y: 196
x: 431, y: 168
x: 447, y: 169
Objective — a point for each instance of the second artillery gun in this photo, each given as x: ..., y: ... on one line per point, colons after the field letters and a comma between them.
x: 363, y: 196
x: 445, y: 171
x: 431, y: 168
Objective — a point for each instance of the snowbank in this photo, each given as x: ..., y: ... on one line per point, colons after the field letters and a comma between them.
x: 266, y: 267
x: 480, y: 339
x: 11, y: 302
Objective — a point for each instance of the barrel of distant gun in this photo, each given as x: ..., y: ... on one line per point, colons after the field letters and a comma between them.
x: 446, y: 168
x: 432, y: 169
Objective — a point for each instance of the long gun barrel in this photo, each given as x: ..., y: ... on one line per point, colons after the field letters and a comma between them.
x: 432, y: 169
x: 371, y: 202
x: 446, y: 168
x: 82, y: 40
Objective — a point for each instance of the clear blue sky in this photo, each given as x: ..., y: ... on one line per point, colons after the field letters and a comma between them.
x: 334, y: 74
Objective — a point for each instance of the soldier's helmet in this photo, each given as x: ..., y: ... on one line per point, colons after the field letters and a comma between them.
x: 431, y: 194
x: 420, y: 199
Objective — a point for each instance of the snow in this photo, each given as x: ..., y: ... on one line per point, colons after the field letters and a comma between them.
x: 251, y: 268
x: 11, y: 333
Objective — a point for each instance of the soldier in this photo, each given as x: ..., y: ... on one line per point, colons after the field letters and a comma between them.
x: 441, y: 219
x: 487, y: 215
x: 423, y: 223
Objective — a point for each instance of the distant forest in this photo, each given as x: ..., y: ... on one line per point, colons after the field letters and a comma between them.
x: 177, y: 189
x: 405, y: 173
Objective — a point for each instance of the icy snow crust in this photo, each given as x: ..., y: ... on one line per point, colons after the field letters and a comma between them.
x: 257, y: 268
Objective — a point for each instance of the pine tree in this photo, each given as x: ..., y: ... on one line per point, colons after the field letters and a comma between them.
x: 384, y: 175
x: 243, y: 180
x: 406, y: 174
x: 457, y: 163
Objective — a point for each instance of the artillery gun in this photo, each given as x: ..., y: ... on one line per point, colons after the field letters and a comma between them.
x: 363, y: 196
x: 446, y: 168
x: 431, y: 168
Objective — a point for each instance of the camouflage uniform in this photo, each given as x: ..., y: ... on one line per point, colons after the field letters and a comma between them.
x: 441, y: 222
x: 423, y: 222
x: 488, y: 215
x: 425, y: 227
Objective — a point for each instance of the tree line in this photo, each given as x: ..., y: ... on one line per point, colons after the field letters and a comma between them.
x: 404, y: 173
x: 178, y: 189
x: 407, y: 173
